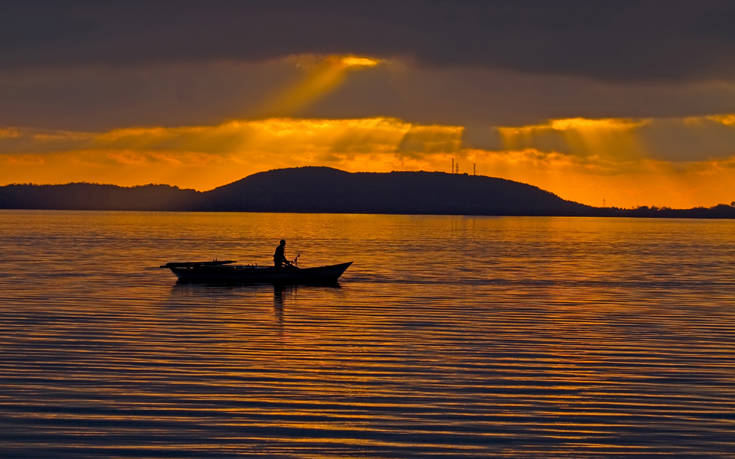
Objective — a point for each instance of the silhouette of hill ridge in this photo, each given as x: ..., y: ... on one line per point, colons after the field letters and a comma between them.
x: 324, y: 189
x: 92, y: 196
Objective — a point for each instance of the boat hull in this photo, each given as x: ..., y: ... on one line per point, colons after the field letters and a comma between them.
x: 257, y: 274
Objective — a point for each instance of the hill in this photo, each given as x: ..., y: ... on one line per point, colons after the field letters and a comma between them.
x: 88, y: 196
x: 323, y: 189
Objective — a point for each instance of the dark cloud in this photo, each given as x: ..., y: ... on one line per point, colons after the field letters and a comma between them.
x: 185, y: 94
x: 622, y: 41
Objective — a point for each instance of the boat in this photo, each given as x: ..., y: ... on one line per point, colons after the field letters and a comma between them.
x: 227, y: 272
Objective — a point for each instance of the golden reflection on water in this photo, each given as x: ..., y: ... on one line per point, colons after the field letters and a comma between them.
x: 448, y: 336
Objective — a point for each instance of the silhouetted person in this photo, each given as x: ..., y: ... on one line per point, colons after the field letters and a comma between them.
x: 279, y: 257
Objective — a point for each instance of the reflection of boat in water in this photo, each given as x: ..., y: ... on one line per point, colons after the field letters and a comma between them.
x: 226, y: 272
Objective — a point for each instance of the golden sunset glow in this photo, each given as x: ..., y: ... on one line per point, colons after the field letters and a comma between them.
x: 604, y: 124
x: 615, y: 160
x: 582, y: 160
x: 625, y: 161
x: 625, y: 184
x: 727, y: 120
x: 603, y: 137
x: 358, y: 61
x: 577, y: 124
x: 377, y: 229
x: 323, y: 75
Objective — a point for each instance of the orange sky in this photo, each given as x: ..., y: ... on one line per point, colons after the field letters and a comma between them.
x: 606, y: 165
x: 623, y: 161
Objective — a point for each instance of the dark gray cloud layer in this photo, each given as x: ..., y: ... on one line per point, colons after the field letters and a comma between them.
x: 174, y: 94
x: 621, y: 41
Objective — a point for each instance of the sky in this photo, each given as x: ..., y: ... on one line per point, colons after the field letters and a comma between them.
x: 606, y: 103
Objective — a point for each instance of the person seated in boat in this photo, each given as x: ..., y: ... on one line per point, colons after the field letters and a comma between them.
x: 279, y: 257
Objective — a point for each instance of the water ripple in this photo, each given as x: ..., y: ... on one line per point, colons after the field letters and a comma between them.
x: 448, y: 337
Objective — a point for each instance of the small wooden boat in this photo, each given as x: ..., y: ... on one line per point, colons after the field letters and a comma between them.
x: 226, y: 272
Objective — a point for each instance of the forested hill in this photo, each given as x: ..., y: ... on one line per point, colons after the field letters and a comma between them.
x: 322, y: 189
x: 89, y: 196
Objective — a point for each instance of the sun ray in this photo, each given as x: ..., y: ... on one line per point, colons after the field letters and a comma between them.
x: 321, y: 78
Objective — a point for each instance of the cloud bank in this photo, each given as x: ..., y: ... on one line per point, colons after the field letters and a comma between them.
x: 622, y: 41
x: 623, y: 161
x: 627, y: 101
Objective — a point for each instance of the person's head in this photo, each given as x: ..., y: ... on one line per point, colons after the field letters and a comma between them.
x: 283, y: 242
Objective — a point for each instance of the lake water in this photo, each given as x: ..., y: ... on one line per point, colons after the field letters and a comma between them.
x: 453, y: 336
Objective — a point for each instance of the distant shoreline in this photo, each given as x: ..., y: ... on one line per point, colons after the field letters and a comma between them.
x: 332, y: 191
x: 611, y: 216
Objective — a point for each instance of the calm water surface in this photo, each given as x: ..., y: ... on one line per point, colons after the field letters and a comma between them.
x: 448, y: 336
